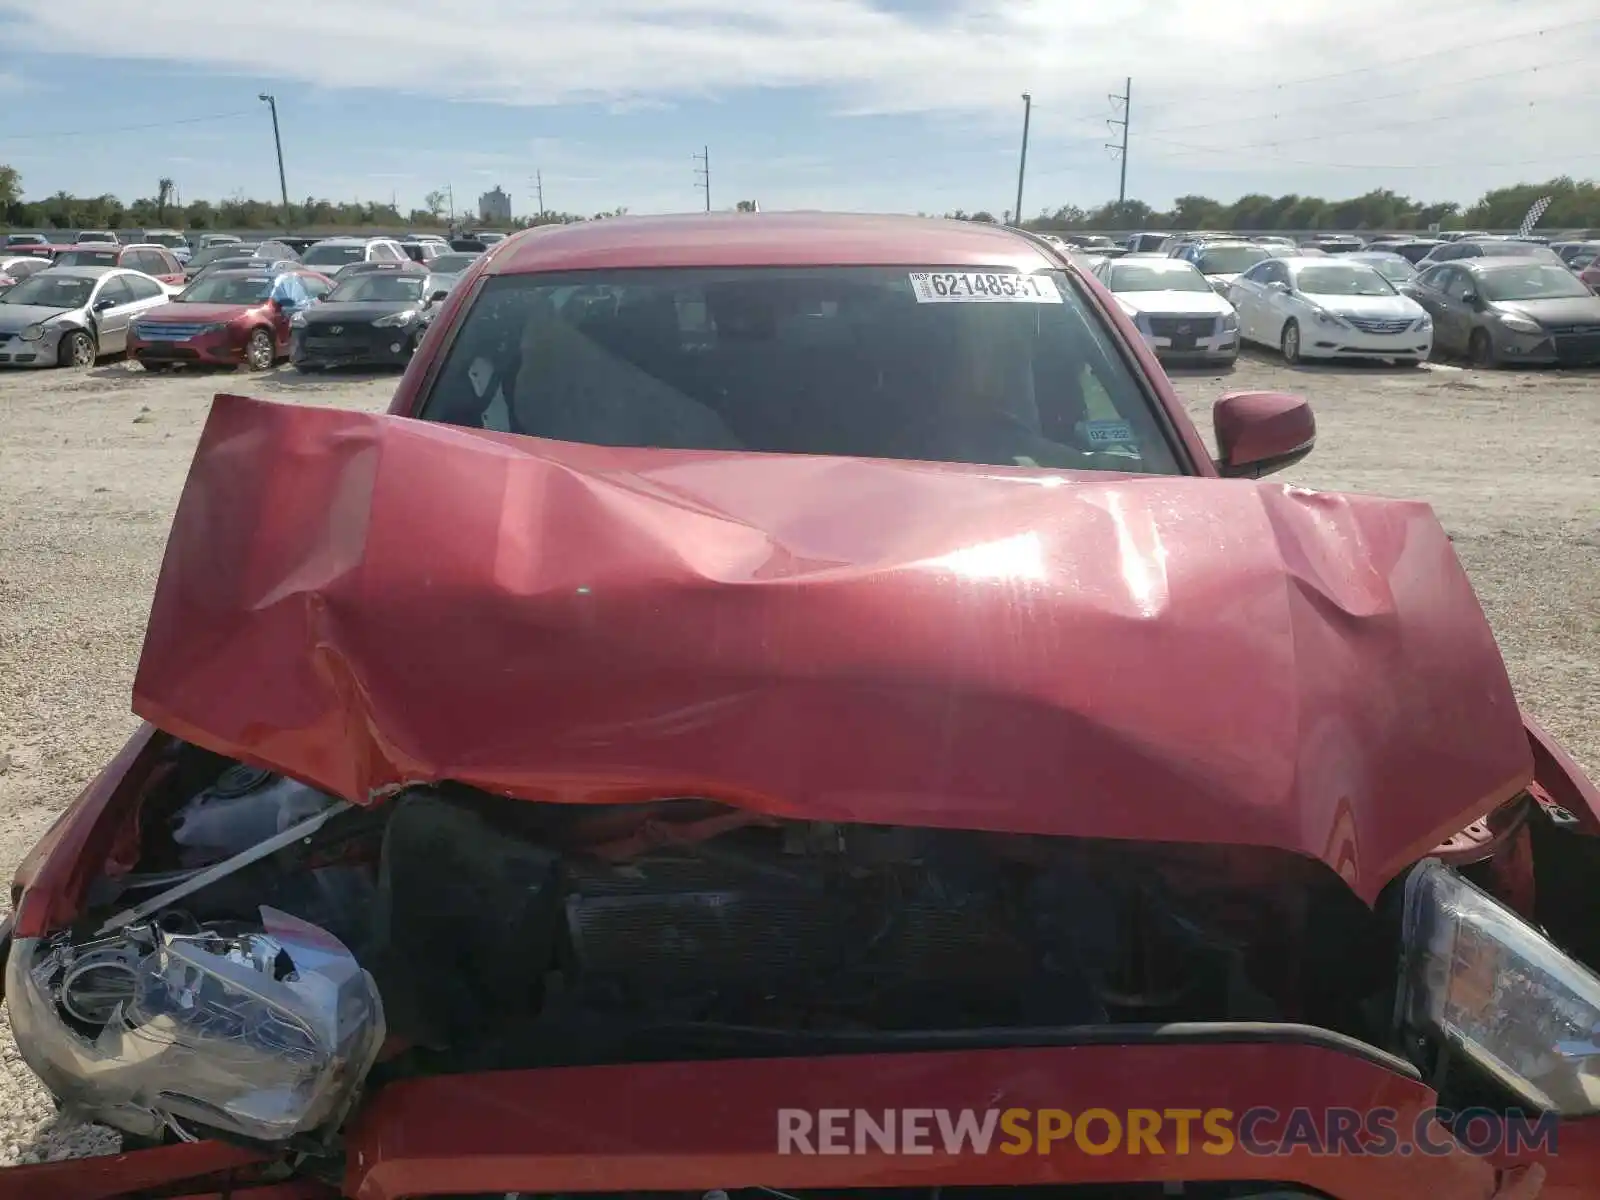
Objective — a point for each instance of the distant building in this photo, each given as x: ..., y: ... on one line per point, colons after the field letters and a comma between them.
x: 495, y: 207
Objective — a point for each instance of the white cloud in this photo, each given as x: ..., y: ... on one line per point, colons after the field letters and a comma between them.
x: 1209, y: 97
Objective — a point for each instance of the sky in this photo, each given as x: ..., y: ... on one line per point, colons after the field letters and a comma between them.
x: 877, y: 105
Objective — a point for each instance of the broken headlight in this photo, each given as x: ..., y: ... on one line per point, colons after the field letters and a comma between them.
x: 262, y: 1033
x: 1496, y: 990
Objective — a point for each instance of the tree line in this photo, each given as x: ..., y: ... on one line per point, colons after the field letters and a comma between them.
x: 65, y: 211
x: 1575, y: 205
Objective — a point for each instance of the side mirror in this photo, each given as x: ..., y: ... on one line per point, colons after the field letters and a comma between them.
x: 1472, y: 300
x: 1277, y: 285
x: 105, y: 302
x: 438, y: 297
x: 1261, y: 432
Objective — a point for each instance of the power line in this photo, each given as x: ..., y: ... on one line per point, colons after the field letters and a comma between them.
x: 704, y: 173
x: 1430, y: 88
x: 1449, y: 166
x: 1126, y: 100
x: 1496, y: 41
x: 103, y: 129
x: 1324, y: 137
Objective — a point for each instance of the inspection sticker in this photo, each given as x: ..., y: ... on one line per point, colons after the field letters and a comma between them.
x: 971, y: 287
x: 1107, y: 433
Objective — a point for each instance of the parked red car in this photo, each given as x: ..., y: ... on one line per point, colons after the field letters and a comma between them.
x: 1591, y: 276
x: 152, y: 259
x: 790, y: 706
x: 226, y: 318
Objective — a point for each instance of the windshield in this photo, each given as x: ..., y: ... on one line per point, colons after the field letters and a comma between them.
x: 875, y: 362
x: 226, y: 250
x: 1395, y: 270
x: 1534, y: 282
x: 451, y: 264
x: 1517, y: 250
x: 227, y: 289
x: 1230, y: 260
x: 47, y: 290
x: 86, y: 258
x: 373, y: 287
x: 1173, y: 275
x: 171, y: 241
x: 27, y: 239
x: 328, y: 256
x: 1342, y: 279
x: 98, y: 237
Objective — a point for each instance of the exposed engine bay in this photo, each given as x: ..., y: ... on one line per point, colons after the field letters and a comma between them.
x: 273, y: 949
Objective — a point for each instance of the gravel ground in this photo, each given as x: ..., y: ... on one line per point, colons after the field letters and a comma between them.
x: 91, y: 466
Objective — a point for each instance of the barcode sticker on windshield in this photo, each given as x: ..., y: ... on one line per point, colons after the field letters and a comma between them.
x: 970, y: 287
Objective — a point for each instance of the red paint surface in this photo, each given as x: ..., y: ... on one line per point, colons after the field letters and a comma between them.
x: 698, y: 1126
x: 115, y: 1175
x: 363, y: 601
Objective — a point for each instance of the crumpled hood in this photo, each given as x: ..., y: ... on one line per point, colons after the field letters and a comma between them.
x: 364, y: 601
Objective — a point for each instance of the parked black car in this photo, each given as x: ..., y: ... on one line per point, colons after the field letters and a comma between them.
x: 372, y: 318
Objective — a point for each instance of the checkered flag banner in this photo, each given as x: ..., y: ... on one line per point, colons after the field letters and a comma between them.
x: 1534, y: 213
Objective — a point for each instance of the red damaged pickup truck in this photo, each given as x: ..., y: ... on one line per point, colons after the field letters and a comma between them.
x: 788, y: 705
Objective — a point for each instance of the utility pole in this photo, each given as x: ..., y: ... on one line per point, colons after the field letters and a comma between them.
x: 538, y: 187
x: 1022, y: 166
x: 1126, y: 100
x: 450, y: 190
x: 704, y: 171
x: 283, y: 187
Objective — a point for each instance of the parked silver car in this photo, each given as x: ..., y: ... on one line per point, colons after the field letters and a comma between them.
x: 70, y: 316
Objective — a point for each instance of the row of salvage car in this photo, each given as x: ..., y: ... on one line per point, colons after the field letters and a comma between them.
x: 348, y: 301
x: 778, y: 662
x: 1199, y: 304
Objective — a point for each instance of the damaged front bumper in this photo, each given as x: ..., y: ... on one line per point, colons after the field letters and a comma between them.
x: 696, y: 1128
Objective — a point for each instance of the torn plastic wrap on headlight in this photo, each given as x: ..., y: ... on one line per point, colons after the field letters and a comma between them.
x: 1490, y: 984
x: 262, y: 1033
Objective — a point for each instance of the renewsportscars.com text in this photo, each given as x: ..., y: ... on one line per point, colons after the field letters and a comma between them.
x: 1265, y: 1132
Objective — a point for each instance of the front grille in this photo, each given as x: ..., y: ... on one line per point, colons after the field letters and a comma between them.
x: 1576, y: 349
x: 174, y: 353
x: 1177, y: 327
x: 166, y: 331
x: 356, y: 338
x: 1378, y: 325
x: 1584, y: 329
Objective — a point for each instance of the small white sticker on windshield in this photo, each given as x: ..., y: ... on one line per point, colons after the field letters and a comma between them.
x: 972, y: 287
x: 1108, y: 433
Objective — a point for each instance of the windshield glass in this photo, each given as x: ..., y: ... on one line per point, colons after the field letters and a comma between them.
x: 396, y: 288
x: 1395, y: 270
x: 1517, y: 250
x: 171, y: 241
x: 329, y: 256
x: 227, y: 250
x: 48, y: 290
x: 26, y: 239
x: 857, y: 361
x: 1533, y: 282
x: 98, y: 237
x: 451, y: 264
x: 227, y: 289
x: 1172, y: 275
x: 1342, y: 279
x: 1230, y: 260
x: 86, y: 258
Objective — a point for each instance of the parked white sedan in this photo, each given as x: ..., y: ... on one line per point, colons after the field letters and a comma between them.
x: 1174, y: 307
x: 1329, y: 308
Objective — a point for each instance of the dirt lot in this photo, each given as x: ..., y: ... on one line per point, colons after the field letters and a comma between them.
x: 91, y: 466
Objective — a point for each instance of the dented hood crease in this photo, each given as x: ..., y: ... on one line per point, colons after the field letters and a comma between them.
x: 365, y: 601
